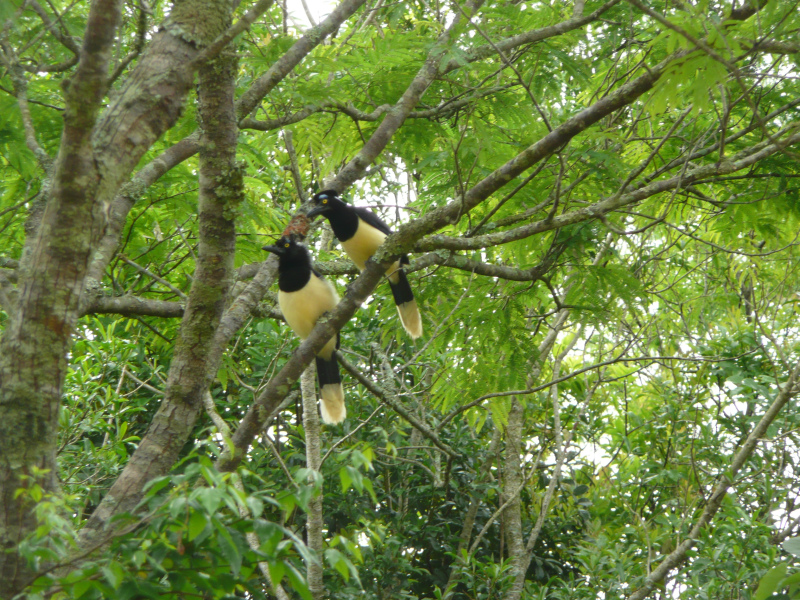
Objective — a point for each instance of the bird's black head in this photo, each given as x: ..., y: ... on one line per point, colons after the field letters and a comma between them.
x: 294, y: 264
x: 324, y: 203
x: 288, y: 250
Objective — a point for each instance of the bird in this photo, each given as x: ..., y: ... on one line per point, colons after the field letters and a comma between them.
x: 360, y: 232
x: 303, y: 297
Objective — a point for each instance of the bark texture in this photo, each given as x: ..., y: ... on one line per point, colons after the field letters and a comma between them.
x: 51, y: 277
x: 512, y: 486
x: 173, y: 422
x: 189, y: 376
x: 311, y: 428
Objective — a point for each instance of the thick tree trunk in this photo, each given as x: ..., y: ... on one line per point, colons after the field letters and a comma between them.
x: 95, y: 158
x: 51, y: 277
x: 190, y: 373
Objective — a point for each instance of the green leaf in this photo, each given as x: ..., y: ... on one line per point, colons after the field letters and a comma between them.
x: 276, y: 571
x: 197, y: 523
x: 222, y: 375
x: 769, y: 583
x: 210, y: 498
x: 80, y: 588
x: 113, y: 574
x: 298, y: 583
x: 501, y: 407
x: 345, y: 478
x: 229, y: 548
x: 339, y: 562
x: 792, y: 546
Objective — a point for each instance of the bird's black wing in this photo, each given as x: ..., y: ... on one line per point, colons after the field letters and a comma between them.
x: 370, y: 218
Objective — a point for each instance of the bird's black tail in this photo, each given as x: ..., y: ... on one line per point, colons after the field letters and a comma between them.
x: 330, y: 388
x: 406, y: 304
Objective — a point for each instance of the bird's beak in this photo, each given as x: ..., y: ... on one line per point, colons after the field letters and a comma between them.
x: 274, y: 249
x: 317, y: 210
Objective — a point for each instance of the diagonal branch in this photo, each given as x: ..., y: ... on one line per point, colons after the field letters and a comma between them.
x: 788, y: 391
x: 279, y: 385
x: 130, y: 193
x: 357, y: 167
x: 277, y: 72
x: 63, y: 37
x: 408, y: 235
x: 741, y: 160
x: 242, y: 25
x: 190, y: 145
x: 153, y: 276
x: 390, y: 400
x: 529, y: 37
x: 445, y: 108
x: 141, y: 38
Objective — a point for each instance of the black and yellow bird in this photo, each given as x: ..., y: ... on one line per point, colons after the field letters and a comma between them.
x: 304, y: 296
x: 361, y: 232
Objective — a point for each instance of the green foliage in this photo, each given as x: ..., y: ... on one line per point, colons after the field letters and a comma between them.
x: 191, y: 540
x: 679, y: 324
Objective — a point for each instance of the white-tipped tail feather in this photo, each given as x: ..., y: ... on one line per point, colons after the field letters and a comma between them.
x: 409, y: 316
x: 332, y: 407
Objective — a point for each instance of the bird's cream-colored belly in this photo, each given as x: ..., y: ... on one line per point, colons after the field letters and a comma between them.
x: 302, y: 308
x: 363, y: 245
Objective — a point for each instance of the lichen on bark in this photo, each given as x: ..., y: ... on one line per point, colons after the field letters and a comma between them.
x: 199, y: 23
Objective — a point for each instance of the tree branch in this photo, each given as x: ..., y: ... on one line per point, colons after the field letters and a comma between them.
x: 129, y: 306
x: 357, y: 167
x: 86, y: 88
x: 153, y: 276
x: 189, y: 146
x: 390, y: 400
x: 314, y: 524
x: 444, y: 108
x: 66, y: 40
x: 141, y: 38
x: 788, y: 391
x: 280, y: 384
x: 737, y: 162
x: 20, y: 84
x: 242, y: 25
x: 529, y: 37
x: 267, y: 82
x: 221, y: 190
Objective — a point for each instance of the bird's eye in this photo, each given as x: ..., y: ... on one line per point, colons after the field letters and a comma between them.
x: 286, y: 245
x: 325, y: 201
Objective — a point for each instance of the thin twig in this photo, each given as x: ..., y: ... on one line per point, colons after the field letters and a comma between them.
x: 153, y: 276
x: 393, y: 403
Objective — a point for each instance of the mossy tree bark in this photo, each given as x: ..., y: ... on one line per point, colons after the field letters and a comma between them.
x: 190, y: 374
x: 98, y: 152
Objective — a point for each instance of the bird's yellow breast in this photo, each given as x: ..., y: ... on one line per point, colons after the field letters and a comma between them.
x: 363, y: 244
x: 302, y: 308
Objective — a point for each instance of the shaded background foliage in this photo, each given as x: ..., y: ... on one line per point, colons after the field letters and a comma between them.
x: 668, y: 325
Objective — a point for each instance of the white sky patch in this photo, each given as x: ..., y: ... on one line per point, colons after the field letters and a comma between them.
x: 319, y: 9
